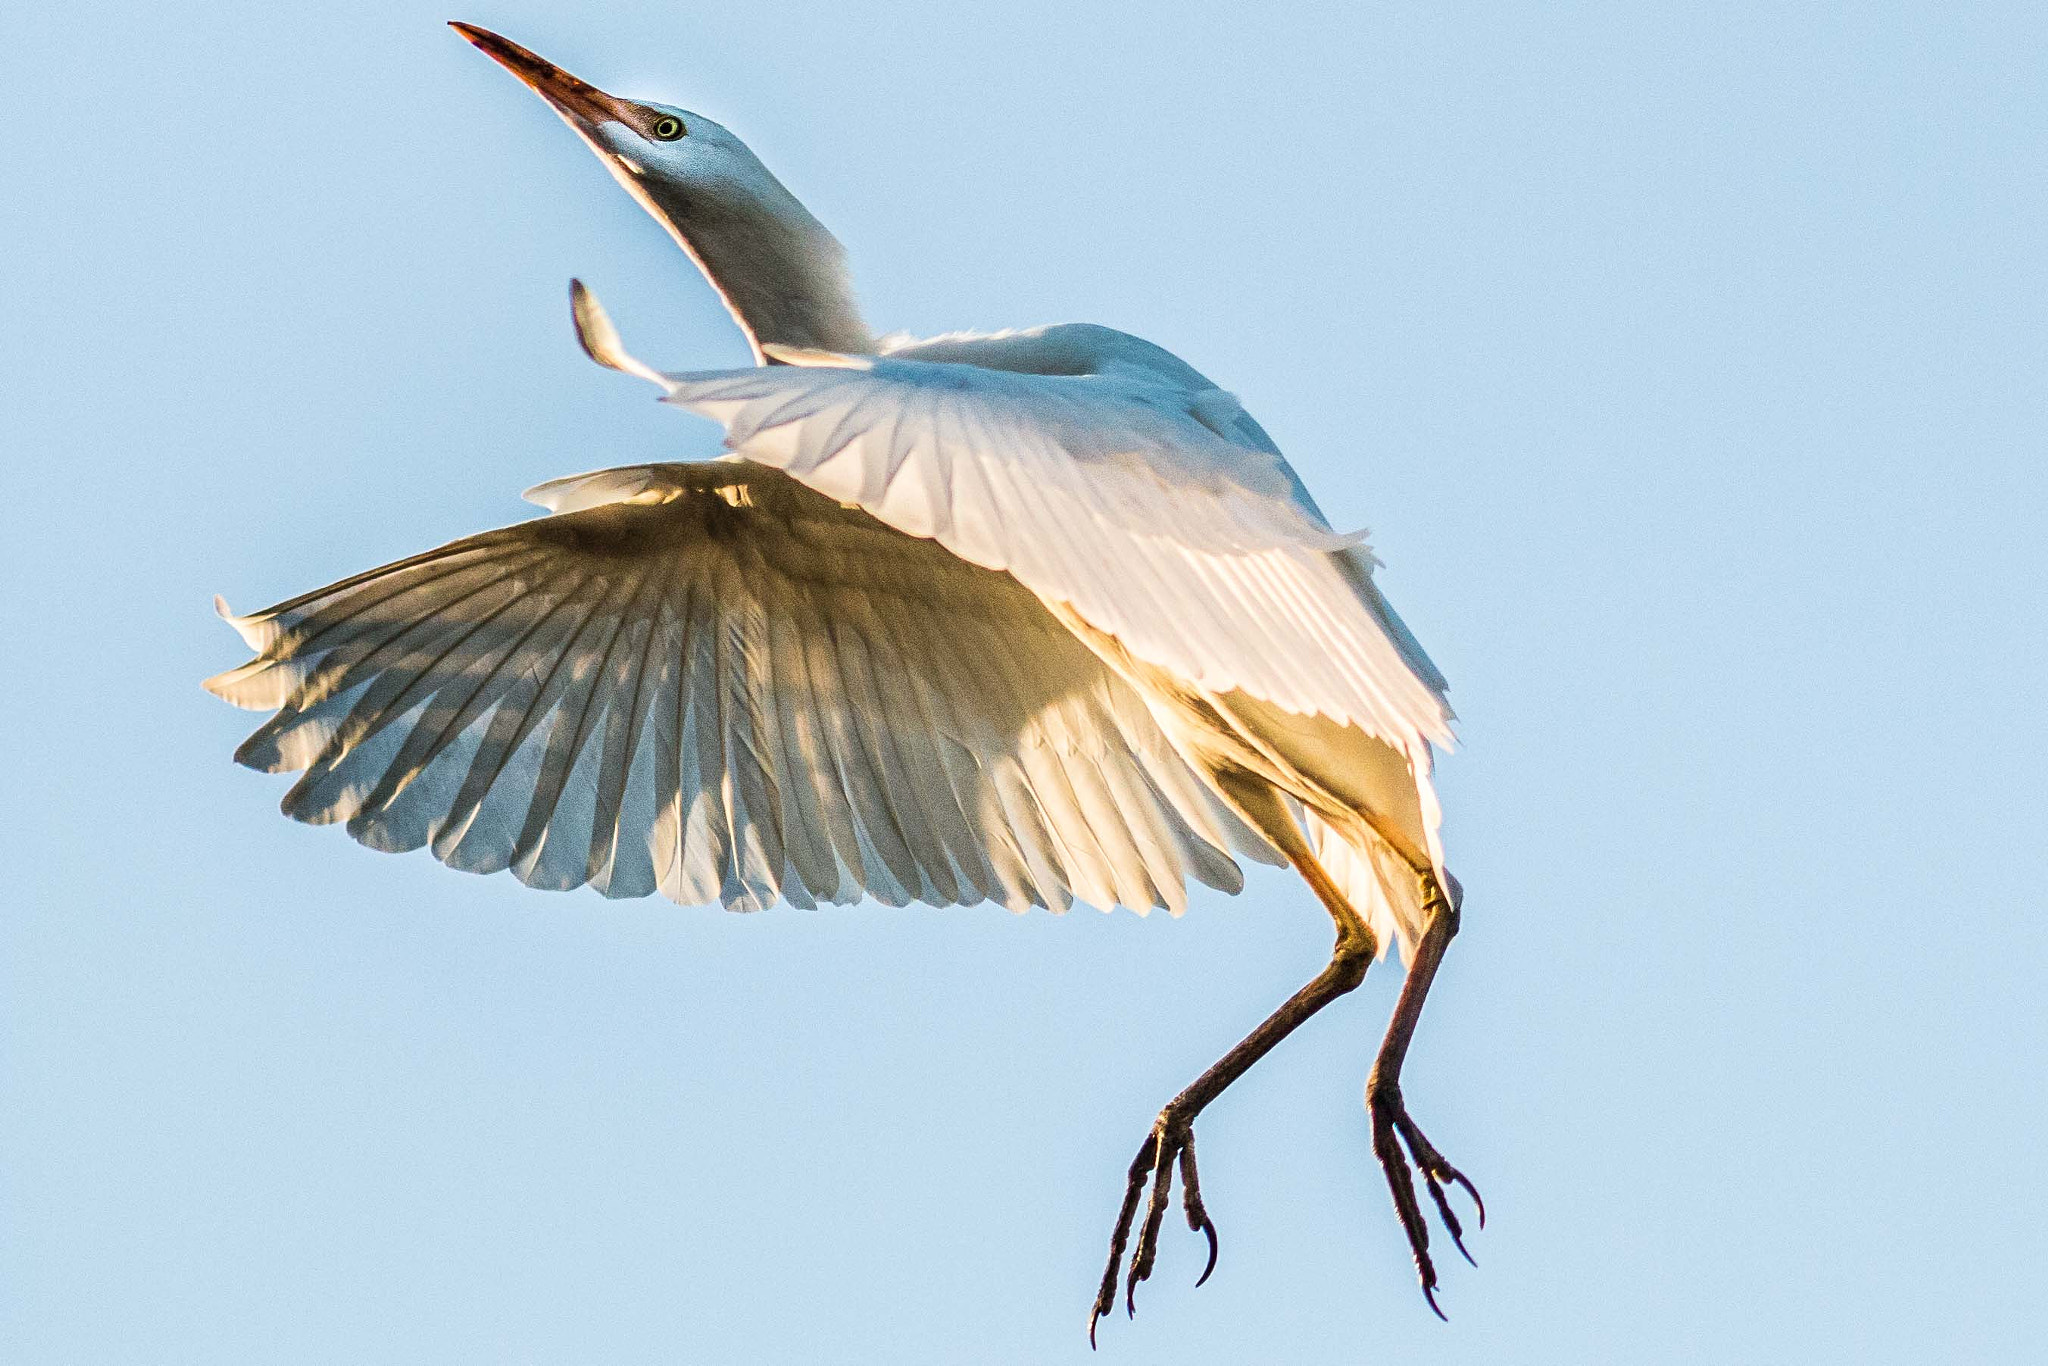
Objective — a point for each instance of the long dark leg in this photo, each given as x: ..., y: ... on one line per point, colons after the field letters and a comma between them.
x: 1391, y: 1126
x: 1172, y: 1140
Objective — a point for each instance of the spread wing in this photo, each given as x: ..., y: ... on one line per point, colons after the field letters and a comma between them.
x: 1155, y: 509
x: 725, y: 687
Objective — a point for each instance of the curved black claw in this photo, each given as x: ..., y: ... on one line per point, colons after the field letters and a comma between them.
x: 1171, y: 1143
x: 1391, y: 1129
x: 1191, y: 1204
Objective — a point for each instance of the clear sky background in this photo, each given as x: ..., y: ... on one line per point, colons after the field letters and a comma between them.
x: 1687, y: 361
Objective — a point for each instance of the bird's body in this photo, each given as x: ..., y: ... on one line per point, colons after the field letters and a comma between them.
x: 1027, y: 617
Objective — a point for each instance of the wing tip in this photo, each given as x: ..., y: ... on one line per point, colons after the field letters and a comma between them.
x: 600, y: 339
x: 226, y: 685
x: 223, y: 684
x: 253, y: 628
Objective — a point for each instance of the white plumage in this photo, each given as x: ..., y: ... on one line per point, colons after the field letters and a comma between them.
x: 456, y: 700
x: 1028, y: 617
x: 1104, y: 490
x: 727, y: 688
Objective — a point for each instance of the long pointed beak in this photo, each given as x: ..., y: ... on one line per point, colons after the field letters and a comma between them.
x: 576, y: 100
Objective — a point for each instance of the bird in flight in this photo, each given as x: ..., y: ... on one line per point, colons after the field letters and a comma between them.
x: 1028, y: 617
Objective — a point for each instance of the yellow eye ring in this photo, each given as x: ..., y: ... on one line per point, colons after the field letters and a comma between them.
x: 667, y: 128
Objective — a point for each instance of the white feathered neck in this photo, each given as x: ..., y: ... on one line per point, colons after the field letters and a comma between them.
x: 778, y: 269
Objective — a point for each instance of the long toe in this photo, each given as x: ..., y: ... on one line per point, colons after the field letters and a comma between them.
x: 1169, y: 1147
x: 1395, y: 1137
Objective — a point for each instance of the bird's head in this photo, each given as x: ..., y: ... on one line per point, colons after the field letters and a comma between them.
x: 780, y: 271
x: 676, y: 157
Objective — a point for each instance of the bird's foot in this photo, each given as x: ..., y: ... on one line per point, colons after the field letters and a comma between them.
x: 1171, y: 1143
x: 1391, y: 1128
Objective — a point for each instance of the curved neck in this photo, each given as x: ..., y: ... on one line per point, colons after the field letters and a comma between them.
x: 780, y: 272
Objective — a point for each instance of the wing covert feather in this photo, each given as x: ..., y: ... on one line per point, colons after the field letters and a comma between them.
x: 1159, y: 512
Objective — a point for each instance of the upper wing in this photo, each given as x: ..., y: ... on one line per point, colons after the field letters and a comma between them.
x: 1089, y: 349
x: 1111, y: 495
x: 728, y: 688
x: 1080, y: 461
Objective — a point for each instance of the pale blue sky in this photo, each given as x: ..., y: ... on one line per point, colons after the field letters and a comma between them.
x: 1687, y: 362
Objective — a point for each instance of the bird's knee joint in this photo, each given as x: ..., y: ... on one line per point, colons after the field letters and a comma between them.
x: 1445, y: 900
x: 1351, y: 957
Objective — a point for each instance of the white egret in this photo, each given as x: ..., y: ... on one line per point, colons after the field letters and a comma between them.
x: 1027, y: 617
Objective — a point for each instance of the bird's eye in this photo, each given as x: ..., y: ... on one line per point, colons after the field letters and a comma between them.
x: 667, y: 128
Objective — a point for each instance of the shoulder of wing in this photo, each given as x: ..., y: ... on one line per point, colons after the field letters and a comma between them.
x: 1056, y: 349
